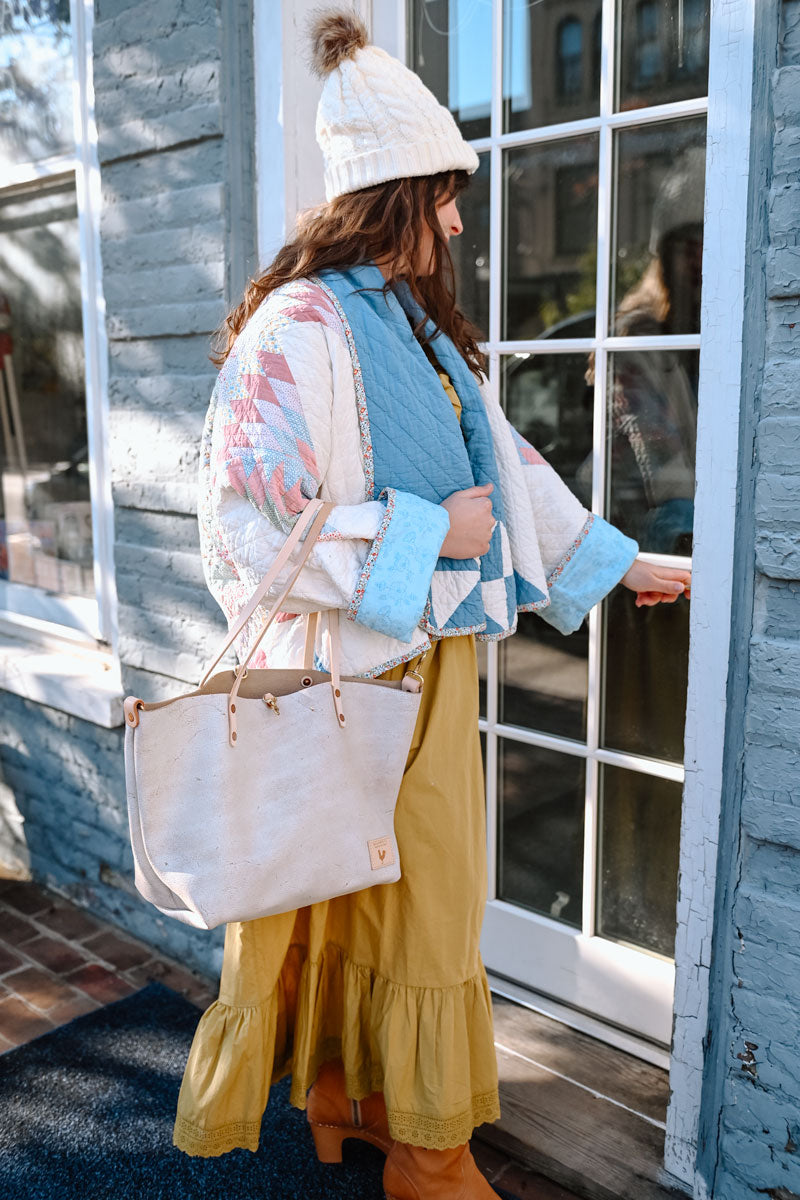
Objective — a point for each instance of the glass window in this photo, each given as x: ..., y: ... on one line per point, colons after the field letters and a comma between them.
x: 638, y: 875
x: 45, y: 511
x: 663, y: 51
x: 451, y: 50
x: 546, y: 78
x: 646, y: 670
x: 569, y: 58
x: 540, y: 863
x: 658, y: 235
x: 549, y: 400
x: 47, y: 540
x: 619, y: 683
x: 35, y: 81
x: 652, y: 435
x: 470, y: 250
x: 550, y: 242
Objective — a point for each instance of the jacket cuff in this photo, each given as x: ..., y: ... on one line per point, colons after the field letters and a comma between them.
x: 393, y: 586
x: 593, y: 565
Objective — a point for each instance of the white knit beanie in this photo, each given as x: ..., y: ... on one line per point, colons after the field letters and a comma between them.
x: 376, y: 120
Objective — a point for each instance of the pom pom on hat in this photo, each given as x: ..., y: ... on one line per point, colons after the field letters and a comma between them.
x: 376, y: 119
x: 335, y: 36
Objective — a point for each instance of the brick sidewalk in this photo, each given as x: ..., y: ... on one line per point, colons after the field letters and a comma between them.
x: 57, y: 962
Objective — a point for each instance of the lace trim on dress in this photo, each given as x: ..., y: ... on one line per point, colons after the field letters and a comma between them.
x: 333, y: 1007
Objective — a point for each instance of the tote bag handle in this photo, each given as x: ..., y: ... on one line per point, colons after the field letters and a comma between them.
x: 314, y: 515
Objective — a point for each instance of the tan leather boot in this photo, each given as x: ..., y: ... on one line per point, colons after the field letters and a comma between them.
x: 333, y: 1116
x: 412, y: 1173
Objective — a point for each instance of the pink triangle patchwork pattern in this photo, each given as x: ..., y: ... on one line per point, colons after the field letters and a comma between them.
x: 265, y: 451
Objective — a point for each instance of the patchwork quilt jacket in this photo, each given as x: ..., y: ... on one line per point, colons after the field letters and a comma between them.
x: 328, y: 393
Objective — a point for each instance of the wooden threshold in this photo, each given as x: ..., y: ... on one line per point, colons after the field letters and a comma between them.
x: 585, y: 1114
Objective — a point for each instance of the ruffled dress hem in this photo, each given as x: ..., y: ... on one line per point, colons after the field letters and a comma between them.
x: 394, y: 1038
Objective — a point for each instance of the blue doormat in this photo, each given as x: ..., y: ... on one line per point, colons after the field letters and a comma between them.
x: 86, y: 1113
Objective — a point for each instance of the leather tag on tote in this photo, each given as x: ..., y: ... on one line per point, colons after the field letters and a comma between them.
x: 381, y: 853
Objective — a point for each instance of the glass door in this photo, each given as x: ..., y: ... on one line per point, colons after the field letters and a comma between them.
x: 581, y: 259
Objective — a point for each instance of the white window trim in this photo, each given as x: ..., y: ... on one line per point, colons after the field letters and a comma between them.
x: 62, y: 651
x: 722, y: 320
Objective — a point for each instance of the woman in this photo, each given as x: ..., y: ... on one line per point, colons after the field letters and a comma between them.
x: 447, y: 523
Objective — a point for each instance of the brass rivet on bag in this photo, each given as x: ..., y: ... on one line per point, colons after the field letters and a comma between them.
x: 341, y: 717
x: 233, y: 708
x: 233, y: 736
x: 306, y: 681
x: 131, y: 718
x: 337, y: 692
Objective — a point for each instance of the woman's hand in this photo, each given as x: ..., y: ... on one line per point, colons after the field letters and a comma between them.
x: 471, y: 523
x: 654, y: 585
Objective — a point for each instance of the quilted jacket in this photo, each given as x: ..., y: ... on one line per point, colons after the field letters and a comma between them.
x: 289, y: 420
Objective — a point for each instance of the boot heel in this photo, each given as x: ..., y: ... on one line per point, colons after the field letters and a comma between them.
x: 328, y: 1142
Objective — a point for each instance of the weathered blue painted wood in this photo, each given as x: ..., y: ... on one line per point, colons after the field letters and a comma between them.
x: 750, y: 1127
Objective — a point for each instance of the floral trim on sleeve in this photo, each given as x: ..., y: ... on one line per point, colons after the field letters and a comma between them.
x: 358, y: 594
x: 554, y: 574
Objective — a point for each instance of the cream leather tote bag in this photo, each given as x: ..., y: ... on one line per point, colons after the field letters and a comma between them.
x: 262, y: 791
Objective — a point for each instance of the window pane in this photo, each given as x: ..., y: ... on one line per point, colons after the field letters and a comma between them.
x: 483, y: 670
x: 541, y: 803
x: 658, y: 239
x: 663, y: 51
x: 46, y: 531
x: 544, y: 678
x: 551, y: 63
x: 645, y: 669
x: 640, y: 819
x: 35, y: 81
x: 550, y: 239
x: 451, y: 51
x: 470, y: 250
x: 652, y: 432
x: 543, y: 675
x: 549, y: 400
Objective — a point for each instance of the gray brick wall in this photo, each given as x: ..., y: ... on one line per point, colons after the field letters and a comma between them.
x: 174, y: 104
x: 751, y: 1142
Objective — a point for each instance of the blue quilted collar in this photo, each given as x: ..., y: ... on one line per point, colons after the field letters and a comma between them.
x: 412, y: 438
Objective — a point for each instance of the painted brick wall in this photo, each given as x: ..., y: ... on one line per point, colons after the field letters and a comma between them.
x: 751, y: 1121
x: 174, y: 104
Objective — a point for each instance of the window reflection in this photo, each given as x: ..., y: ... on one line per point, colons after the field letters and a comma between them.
x: 550, y: 239
x: 547, y: 75
x: 652, y: 405
x: 35, y: 81
x: 470, y: 251
x: 663, y: 51
x: 658, y: 236
x: 45, y: 513
x: 638, y: 875
x: 570, y: 56
x: 647, y: 52
x: 451, y: 50
x: 540, y: 830
x: 645, y: 668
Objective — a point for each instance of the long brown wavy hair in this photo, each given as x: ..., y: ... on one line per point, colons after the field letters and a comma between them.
x: 383, y: 222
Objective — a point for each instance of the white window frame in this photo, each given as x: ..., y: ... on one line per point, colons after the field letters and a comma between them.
x: 59, y: 650
x: 26, y: 609
x: 727, y: 181
x: 730, y: 84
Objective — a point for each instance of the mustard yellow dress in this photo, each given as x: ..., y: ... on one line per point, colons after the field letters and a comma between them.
x: 389, y: 979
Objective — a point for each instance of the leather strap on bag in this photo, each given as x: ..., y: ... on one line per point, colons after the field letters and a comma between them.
x: 311, y: 510
x: 311, y: 638
x: 316, y: 518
